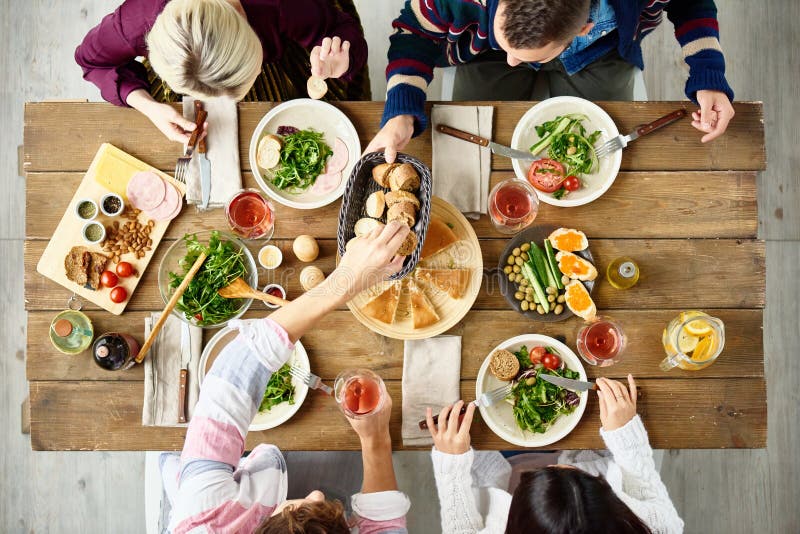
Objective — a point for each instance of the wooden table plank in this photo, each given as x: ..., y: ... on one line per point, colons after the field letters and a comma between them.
x: 706, y: 273
x: 684, y: 413
x: 51, y: 147
x: 481, y: 331
x: 675, y: 205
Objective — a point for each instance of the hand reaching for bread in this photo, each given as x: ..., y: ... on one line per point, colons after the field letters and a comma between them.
x: 372, y: 257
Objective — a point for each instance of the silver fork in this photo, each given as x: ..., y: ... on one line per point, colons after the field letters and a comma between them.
x: 621, y: 141
x: 310, y: 379
x: 487, y: 399
x: 182, y: 165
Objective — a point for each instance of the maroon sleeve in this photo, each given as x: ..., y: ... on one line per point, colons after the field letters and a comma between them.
x: 308, y: 22
x: 108, y: 53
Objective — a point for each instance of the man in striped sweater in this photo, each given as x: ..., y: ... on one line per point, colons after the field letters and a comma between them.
x: 587, y: 48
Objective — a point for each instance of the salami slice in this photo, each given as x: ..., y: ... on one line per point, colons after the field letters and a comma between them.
x: 325, y: 183
x: 338, y: 161
x: 146, y: 190
x: 170, y: 207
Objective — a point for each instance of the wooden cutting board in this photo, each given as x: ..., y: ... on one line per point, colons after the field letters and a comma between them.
x: 110, y: 171
x: 466, y: 253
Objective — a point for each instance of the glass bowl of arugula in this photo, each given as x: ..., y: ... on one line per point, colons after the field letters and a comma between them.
x: 536, y: 413
x: 228, y: 259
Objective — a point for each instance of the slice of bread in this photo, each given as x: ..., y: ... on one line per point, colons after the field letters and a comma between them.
x: 408, y: 246
x: 422, y: 311
x: 383, y: 306
x: 316, y: 87
x: 403, y: 177
x: 454, y: 282
x: 396, y: 197
x: 99, y: 262
x: 366, y: 225
x: 268, y: 153
x: 504, y: 365
x: 375, y: 204
x: 77, y: 263
x: 403, y: 212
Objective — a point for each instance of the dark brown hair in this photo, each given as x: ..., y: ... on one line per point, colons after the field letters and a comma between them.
x: 531, y: 24
x: 318, y: 517
x: 562, y: 500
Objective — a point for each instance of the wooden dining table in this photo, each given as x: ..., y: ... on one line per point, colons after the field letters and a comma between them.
x: 684, y: 210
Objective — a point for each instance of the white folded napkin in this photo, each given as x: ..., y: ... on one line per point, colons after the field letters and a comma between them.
x: 461, y: 169
x: 223, y: 152
x: 431, y: 377
x: 162, y: 370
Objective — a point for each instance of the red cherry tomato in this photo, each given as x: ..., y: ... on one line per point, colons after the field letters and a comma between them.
x: 551, y: 361
x: 536, y: 354
x: 572, y: 183
x: 108, y: 279
x: 118, y: 294
x: 546, y: 175
x: 198, y: 316
x: 124, y: 269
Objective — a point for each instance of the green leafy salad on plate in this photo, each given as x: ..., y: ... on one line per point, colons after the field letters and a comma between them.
x: 279, y: 389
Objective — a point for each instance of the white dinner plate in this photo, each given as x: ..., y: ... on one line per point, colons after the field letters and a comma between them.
x: 278, y: 414
x: 500, y: 418
x: 593, y: 185
x: 304, y: 114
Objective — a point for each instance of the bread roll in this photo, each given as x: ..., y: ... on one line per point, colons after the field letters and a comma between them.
x: 316, y: 87
x: 268, y: 152
x: 366, y: 225
x: 375, y: 204
x: 408, y: 246
x: 403, y: 212
x: 504, y: 365
x: 403, y: 177
x: 380, y: 173
x: 395, y: 197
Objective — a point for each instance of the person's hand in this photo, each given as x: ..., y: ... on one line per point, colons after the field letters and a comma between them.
x: 374, y: 429
x: 331, y: 59
x: 617, y: 403
x: 714, y: 114
x: 394, y: 136
x: 171, y: 123
x: 450, y: 436
x: 371, y: 258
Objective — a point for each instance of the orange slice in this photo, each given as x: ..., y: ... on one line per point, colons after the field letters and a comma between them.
x: 568, y: 240
x: 579, y: 301
x: 575, y: 267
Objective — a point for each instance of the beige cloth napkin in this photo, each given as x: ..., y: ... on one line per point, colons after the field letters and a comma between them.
x: 431, y: 377
x: 461, y: 169
x: 162, y: 369
x: 223, y: 152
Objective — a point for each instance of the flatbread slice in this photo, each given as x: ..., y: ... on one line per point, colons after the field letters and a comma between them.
x: 383, y: 307
x: 422, y: 311
x: 438, y: 238
x: 454, y: 282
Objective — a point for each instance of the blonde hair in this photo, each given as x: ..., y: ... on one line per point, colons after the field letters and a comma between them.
x: 204, y: 48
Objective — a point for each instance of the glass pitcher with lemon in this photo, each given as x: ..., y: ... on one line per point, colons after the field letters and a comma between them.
x: 693, y: 340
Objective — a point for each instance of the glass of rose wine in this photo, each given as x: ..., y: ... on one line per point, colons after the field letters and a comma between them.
x: 250, y: 215
x: 359, y: 392
x: 601, y: 342
x: 513, y: 205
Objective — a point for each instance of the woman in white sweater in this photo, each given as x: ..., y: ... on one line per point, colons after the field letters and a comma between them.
x: 585, y: 492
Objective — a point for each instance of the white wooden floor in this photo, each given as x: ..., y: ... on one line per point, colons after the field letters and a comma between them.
x: 715, y: 491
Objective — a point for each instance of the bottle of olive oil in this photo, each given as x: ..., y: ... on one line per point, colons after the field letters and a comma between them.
x: 622, y: 273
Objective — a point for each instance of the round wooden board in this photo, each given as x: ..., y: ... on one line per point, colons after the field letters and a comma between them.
x: 466, y: 253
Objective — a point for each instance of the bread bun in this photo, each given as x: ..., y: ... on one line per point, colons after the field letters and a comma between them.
x: 268, y: 152
x: 380, y: 173
x: 408, y: 246
x: 403, y: 212
x: 375, y: 204
x: 504, y: 365
x: 366, y: 225
x: 395, y: 197
x: 403, y: 177
x: 316, y: 87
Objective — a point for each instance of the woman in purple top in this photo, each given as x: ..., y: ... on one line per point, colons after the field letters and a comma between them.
x: 220, y: 48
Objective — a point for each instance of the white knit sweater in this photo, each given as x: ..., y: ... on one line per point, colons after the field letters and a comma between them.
x: 472, y: 487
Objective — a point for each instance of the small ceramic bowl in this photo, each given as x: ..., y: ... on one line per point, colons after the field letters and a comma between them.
x: 279, y: 288
x: 267, y: 252
x: 89, y: 225
x: 111, y: 197
x: 86, y: 202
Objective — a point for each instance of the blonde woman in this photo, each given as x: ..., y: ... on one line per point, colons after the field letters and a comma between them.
x: 241, y: 49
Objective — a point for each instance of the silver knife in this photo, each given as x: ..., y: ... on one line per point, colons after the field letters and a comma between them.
x: 496, y: 148
x: 186, y: 356
x: 205, y: 165
x: 576, y: 385
x: 487, y: 399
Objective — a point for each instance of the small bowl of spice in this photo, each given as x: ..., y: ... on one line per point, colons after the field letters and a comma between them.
x: 93, y: 232
x: 111, y: 204
x: 276, y: 290
x: 86, y: 209
x: 270, y: 257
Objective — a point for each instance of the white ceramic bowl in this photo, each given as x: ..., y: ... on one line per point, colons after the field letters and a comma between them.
x: 304, y: 113
x: 278, y: 414
x: 500, y: 418
x: 595, y: 184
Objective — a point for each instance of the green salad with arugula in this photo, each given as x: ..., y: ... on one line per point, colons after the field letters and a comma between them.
x: 224, y: 264
x: 538, y: 404
x: 303, y: 158
x: 279, y: 389
x: 567, y: 142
